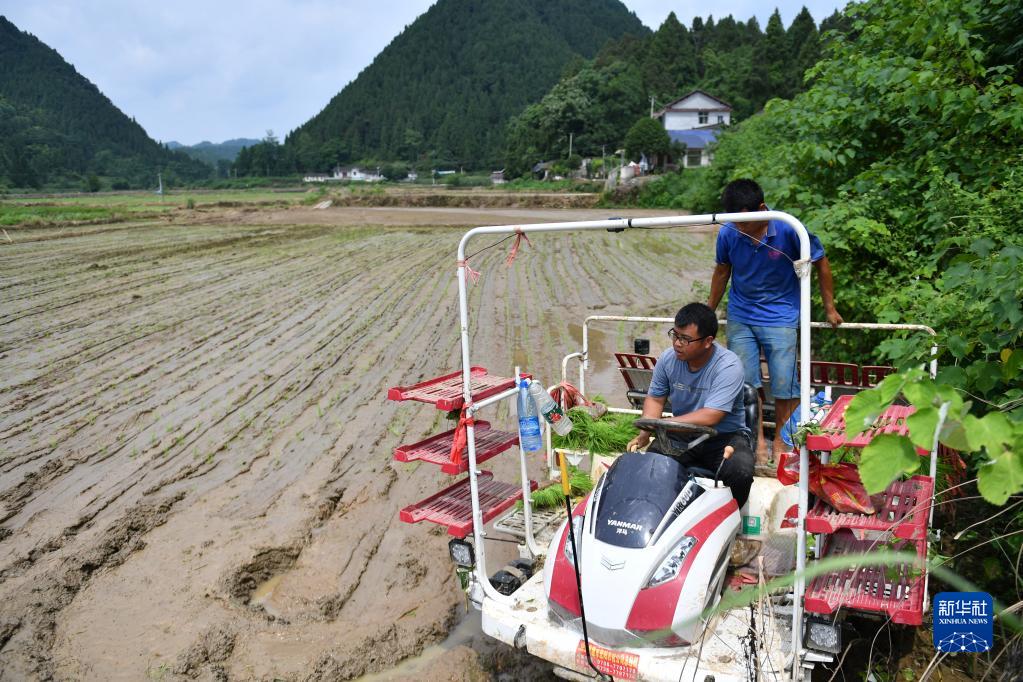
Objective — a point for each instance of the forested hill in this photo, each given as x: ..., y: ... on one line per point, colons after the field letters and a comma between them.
x: 598, y: 101
x: 444, y: 89
x: 57, y: 128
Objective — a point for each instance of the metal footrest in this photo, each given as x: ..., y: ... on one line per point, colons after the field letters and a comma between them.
x: 452, y: 507
x: 545, y: 522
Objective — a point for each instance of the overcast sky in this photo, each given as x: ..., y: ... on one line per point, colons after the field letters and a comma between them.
x: 191, y: 70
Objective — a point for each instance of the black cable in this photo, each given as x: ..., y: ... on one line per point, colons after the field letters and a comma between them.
x: 491, y: 246
x: 579, y: 586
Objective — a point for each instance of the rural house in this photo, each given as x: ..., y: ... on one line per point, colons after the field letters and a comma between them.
x: 354, y: 174
x: 694, y: 120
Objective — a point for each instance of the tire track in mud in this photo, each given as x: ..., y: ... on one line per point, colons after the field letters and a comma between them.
x: 247, y: 384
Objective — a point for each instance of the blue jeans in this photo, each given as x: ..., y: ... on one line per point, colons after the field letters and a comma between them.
x: 779, y: 346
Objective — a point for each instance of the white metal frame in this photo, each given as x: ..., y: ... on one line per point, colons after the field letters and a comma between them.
x: 802, y: 269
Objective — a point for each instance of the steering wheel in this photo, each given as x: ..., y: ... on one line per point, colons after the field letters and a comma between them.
x: 662, y: 427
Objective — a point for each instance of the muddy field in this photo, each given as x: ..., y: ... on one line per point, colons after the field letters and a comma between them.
x: 196, y: 474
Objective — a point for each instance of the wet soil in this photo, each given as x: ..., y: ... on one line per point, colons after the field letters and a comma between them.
x: 196, y: 473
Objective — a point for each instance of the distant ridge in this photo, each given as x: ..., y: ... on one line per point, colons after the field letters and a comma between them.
x: 56, y: 126
x: 443, y: 90
x: 212, y: 152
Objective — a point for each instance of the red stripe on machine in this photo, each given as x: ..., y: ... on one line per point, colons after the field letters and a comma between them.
x: 654, y: 608
x: 564, y: 590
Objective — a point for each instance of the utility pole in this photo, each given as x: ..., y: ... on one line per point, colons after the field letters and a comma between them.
x: 570, y: 145
x: 603, y: 159
x: 651, y: 106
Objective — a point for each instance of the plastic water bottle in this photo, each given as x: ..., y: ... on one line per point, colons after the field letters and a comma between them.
x: 529, y: 423
x: 550, y: 410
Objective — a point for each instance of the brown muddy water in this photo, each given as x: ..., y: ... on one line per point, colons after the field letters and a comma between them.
x: 196, y: 472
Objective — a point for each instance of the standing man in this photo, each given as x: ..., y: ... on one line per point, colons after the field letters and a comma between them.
x: 763, y: 308
x: 704, y: 381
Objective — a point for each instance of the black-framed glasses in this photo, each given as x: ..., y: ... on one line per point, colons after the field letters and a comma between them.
x: 682, y: 339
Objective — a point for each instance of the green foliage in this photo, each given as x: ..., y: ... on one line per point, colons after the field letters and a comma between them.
x: 647, y: 136
x: 35, y: 214
x: 395, y: 171
x: 57, y: 129
x: 596, y: 105
x: 442, y: 92
x: 994, y: 439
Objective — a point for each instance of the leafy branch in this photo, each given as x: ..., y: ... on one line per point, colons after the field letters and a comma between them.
x: 941, y: 416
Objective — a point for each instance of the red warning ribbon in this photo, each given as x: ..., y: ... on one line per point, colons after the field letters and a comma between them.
x: 474, y: 275
x: 519, y: 236
x: 461, y: 439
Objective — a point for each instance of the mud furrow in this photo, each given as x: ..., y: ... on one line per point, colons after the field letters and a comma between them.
x: 250, y: 376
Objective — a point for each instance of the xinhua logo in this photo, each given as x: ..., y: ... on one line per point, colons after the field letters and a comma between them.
x: 963, y: 621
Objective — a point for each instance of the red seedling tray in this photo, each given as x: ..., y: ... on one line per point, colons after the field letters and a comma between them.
x: 897, y: 590
x: 452, y: 507
x: 437, y: 449
x: 904, y: 511
x: 892, y: 420
x: 446, y: 392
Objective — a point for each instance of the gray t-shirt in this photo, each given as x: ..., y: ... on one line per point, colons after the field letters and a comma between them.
x: 718, y: 385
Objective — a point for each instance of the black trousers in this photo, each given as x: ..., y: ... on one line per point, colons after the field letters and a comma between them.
x: 737, y: 472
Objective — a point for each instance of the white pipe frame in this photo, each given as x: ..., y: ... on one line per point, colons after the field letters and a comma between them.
x: 620, y: 224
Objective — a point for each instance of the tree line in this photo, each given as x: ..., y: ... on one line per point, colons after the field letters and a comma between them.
x: 598, y: 101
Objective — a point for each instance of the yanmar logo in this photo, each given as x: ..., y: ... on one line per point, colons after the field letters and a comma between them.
x: 624, y: 524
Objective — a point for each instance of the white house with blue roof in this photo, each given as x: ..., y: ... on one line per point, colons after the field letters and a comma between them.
x: 694, y: 120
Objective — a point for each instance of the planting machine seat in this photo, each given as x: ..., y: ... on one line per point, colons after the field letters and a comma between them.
x: 629, y: 597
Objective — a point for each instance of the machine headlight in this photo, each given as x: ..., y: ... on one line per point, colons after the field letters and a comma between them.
x: 577, y: 529
x: 822, y: 636
x: 669, y: 568
x: 462, y: 553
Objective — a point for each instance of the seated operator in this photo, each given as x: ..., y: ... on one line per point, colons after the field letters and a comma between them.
x: 705, y: 383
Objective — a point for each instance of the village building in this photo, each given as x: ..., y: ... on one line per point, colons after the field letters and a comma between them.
x: 353, y: 174
x: 695, y: 120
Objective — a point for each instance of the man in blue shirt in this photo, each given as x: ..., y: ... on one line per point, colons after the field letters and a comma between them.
x: 704, y: 381
x: 763, y: 307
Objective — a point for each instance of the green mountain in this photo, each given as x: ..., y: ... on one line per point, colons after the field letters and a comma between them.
x: 57, y: 128
x: 598, y: 101
x: 443, y: 90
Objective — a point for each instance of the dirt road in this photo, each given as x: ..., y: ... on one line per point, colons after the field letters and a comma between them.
x: 196, y: 474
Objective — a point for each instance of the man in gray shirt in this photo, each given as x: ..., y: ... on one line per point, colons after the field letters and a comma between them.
x: 704, y: 381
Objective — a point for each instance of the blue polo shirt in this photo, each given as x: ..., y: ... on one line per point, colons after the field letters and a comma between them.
x: 718, y: 384
x: 765, y: 289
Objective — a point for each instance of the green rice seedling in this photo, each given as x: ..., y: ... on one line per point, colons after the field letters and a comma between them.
x: 608, y: 435
x: 551, y: 496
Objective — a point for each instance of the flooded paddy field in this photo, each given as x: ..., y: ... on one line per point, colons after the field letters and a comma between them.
x: 196, y: 473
